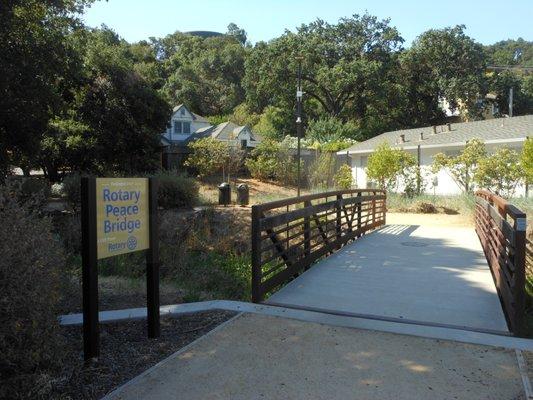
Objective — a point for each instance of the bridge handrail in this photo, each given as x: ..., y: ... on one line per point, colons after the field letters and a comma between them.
x: 288, y: 235
x: 501, y: 228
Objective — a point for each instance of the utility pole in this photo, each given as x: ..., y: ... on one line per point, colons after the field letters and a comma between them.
x: 299, y: 95
x: 511, y: 102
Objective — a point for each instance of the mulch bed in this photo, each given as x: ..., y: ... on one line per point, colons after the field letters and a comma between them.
x: 125, y: 352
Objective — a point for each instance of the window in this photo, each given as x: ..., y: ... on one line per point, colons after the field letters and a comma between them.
x: 177, y: 127
x: 186, y: 127
x: 182, y: 112
x: 244, y: 143
x: 364, y: 160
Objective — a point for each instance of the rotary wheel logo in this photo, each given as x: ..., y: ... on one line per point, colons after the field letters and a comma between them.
x: 132, y: 242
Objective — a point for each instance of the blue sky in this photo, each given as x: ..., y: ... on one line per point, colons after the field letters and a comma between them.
x: 487, y: 21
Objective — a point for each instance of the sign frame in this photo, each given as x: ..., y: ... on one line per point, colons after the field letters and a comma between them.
x: 89, y: 252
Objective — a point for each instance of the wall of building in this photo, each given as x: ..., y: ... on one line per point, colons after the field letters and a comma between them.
x: 445, y: 184
x: 186, y: 117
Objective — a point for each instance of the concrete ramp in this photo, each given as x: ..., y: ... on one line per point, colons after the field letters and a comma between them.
x: 263, y: 357
x: 421, y: 274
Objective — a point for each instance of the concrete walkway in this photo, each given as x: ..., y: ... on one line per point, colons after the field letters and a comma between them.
x: 263, y: 357
x: 421, y: 274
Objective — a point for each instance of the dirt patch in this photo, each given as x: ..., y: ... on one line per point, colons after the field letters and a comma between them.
x: 115, y: 292
x: 450, y: 220
x: 125, y: 353
x: 260, y: 192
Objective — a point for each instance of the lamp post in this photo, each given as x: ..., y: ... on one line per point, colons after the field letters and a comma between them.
x: 299, y: 95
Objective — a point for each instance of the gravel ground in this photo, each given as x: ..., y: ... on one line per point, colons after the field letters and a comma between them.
x: 125, y: 352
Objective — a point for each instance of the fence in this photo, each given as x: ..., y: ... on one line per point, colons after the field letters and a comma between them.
x: 501, y: 228
x: 289, y: 235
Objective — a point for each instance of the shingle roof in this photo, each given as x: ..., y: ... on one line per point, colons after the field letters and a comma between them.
x: 486, y: 130
x: 227, y: 131
x: 195, y: 116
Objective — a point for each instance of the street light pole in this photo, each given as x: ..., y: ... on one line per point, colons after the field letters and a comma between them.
x: 299, y: 95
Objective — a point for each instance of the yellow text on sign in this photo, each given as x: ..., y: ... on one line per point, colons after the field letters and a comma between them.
x: 122, y: 215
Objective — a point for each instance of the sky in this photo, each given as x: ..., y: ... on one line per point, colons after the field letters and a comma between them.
x: 486, y: 21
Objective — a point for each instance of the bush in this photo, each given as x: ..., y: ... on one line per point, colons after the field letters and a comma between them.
x: 72, y: 190
x: 425, y: 208
x: 386, y: 164
x: 344, y: 178
x: 29, y: 294
x: 176, y: 190
x: 322, y: 170
x: 331, y: 129
x: 208, y: 156
x: 272, y: 161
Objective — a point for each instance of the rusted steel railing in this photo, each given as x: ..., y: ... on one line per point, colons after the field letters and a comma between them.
x: 501, y: 228
x: 290, y: 234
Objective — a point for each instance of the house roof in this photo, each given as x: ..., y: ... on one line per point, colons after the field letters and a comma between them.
x: 195, y: 116
x: 498, y: 129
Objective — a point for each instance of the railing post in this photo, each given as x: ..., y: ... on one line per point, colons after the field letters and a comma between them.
x: 338, y: 221
x: 359, y: 215
x: 307, y: 233
x: 373, y: 208
x: 257, y: 295
x: 520, y: 273
x: 384, y: 208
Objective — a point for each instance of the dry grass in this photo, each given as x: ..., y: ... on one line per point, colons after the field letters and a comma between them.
x: 260, y: 192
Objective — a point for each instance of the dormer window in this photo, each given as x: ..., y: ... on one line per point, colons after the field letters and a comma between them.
x: 182, y: 127
x: 177, y: 127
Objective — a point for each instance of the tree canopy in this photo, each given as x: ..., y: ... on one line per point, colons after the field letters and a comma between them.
x: 75, y: 98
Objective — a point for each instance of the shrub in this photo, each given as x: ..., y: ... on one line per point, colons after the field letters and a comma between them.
x: 72, y: 190
x: 331, y: 129
x: 385, y: 164
x: 462, y: 167
x: 272, y: 161
x: 176, y: 190
x: 526, y: 159
x: 500, y: 172
x: 425, y: 208
x: 208, y: 156
x: 29, y: 294
x: 344, y: 178
x: 322, y: 170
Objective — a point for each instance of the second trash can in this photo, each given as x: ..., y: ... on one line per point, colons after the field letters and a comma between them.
x: 224, y: 194
x: 243, y: 194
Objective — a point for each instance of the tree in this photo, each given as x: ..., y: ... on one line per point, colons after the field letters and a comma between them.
x: 272, y: 160
x: 462, y: 167
x: 511, y: 52
x: 272, y: 123
x: 208, y: 156
x: 451, y: 65
x: 344, y: 178
x: 237, y: 33
x: 113, y: 118
x: 500, y: 172
x: 345, y: 68
x: 332, y: 129
x: 526, y: 160
x: 36, y: 66
x: 499, y: 83
x: 386, y: 164
x: 205, y: 74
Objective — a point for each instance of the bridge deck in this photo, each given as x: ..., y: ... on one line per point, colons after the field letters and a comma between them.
x: 422, y: 274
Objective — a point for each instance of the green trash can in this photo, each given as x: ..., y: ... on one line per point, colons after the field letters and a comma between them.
x: 224, y: 194
x: 243, y: 194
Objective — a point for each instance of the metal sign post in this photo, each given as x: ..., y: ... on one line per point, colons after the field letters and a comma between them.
x: 119, y: 216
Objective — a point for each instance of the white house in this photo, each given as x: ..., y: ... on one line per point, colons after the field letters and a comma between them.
x: 449, y: 139
x: 186, y: 126
x: 183, y: 123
